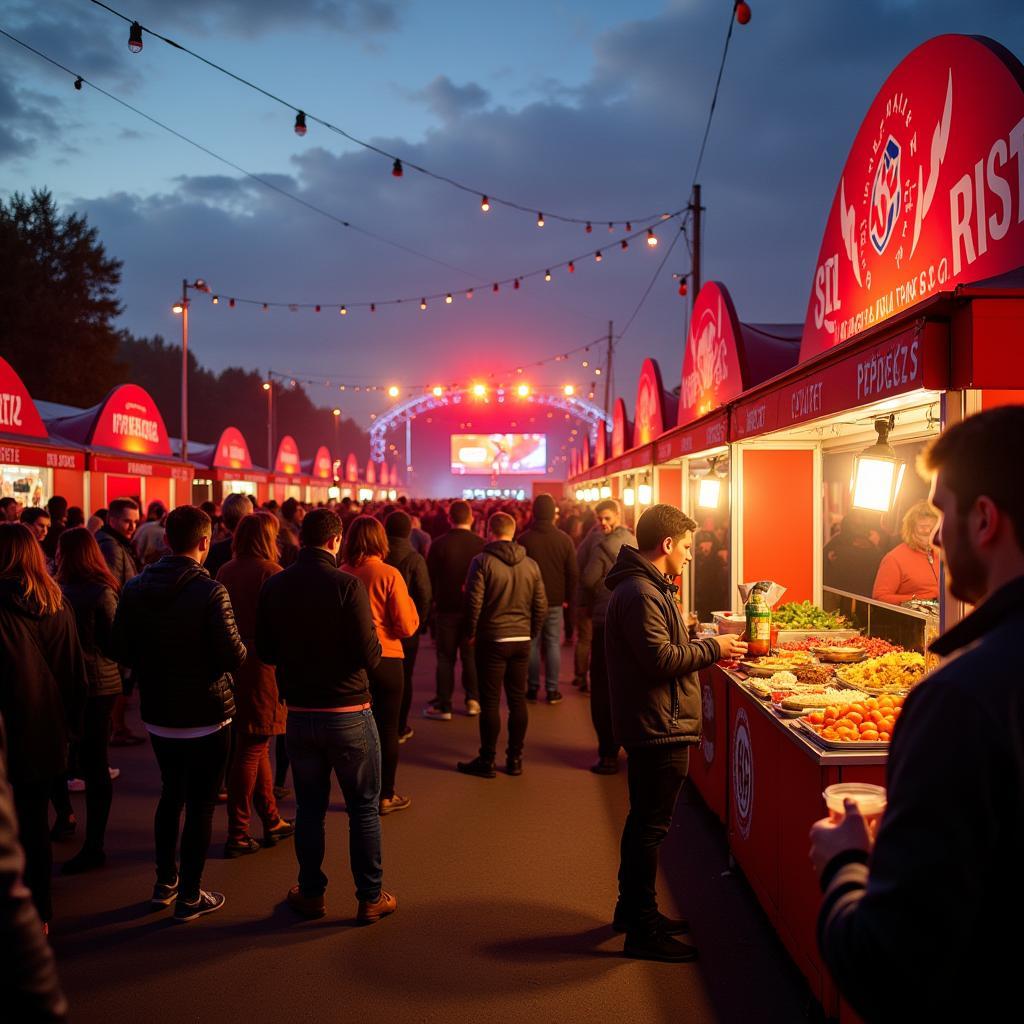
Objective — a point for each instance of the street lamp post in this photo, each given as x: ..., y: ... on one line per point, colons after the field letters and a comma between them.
x: 181, y: 308
x: 269, y: 388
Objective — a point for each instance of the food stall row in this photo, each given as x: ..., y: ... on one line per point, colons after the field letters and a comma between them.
x: 121, y: 448
x: 805, y: 475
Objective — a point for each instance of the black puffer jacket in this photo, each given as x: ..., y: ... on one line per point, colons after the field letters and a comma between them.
x: 118, y: 554
x: 652, y: 663
x: 95, y: 605
x: 504, y: 593
x: 175, y: 628
x: 42, y: 685
x: 555, y: 554
x: 413, y: 567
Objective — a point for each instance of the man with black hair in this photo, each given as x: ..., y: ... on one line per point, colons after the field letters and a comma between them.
x: 10, y: 509
x: 505, y: 609
x: 608, y: 518
x: 413, y: 567
x: 448, y: 563
x: 656, y: 713
x: 176, y: 630
x: 935, y: 883
x: 38, y: 521
x: 57, y: 507
x: 235, y: 508
x: 555, y: 554
x: 314, y: 624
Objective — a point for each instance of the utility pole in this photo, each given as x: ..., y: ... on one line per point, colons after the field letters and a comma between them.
x: 608, y: 371
x: 184, y: 370
x: 268, y: 386
x: 696, y: 209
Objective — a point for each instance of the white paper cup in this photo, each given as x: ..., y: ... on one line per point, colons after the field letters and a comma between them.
x: 870, y: 800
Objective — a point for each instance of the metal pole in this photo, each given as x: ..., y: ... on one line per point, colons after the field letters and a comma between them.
x: 695, y: 266
x: 608, y: 371
x: 184, y: 370
x: 408, y: 447
x: 270, y: 423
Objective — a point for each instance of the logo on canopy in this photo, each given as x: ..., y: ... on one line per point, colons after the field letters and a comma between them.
x: 885, y: 196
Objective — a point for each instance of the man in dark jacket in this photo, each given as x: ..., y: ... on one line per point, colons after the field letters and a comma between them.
x: 313, y: 623
x: 937, y: 887
x: 175, y: 628
x: 656, y: 712
x: 554, y: 553
x: 604, y: 550
x: 235, y: 508
x: 28, y: 977
x: 413, y: 567
x: 115, y: 541
x: 448, y: 563
x: 608, y: 515
x: 505, y: 609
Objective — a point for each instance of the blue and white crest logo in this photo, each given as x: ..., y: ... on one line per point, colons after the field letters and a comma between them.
x: 885, y: 196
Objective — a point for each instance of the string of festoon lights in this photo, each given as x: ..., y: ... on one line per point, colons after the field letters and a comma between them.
x: 448, y: 296
x: 501, y: 382
x: 487, y: 197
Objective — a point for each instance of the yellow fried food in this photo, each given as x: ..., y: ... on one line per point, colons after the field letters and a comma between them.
x: 887, y: 674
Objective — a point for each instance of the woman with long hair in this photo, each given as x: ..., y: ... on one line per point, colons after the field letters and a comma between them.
x: 396, y: 618
x: 91, y: 592
x: 259, y: 711
x: 911, y: 569
x: 43, y: 686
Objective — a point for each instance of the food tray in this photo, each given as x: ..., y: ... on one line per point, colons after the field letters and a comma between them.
x: 760, y: 671
x: 865, y: 745
x: 871, y: 691
x: 830, y: 655
x: 786, y: 713
x: 789, y: 636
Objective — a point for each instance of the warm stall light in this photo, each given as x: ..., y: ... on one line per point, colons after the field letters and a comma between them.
x: 479, y: 390
x: 709, y: 492
x: 178, y: 308
x: 644, y: 494
x: 437, y: 391
x: 877, y: 472
x: 579, y: 494
x: 365, y: 494
x: 335, y: 412
x: 629, y: 497
x: 392, y: 494
x: 523, y: 391
x: 540, y: 220
x: 568, y: 391
x: 266, y: 385
x: 393, y: 391
x: 605, y: 492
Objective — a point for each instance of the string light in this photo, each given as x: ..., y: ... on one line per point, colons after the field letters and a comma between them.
x: 586, y: 363
x: 231, y: 303
x: 343, y: 311
x: 588, y: 228
x: 396, y: 169
x: 437, y: 391
x: 316, y: 309
x: 494, y: 287
x: 423, y: 303
x: 572, y: 267
x: 743, y: 13
x: 540, y: 220
x: 448, y: 299
x: 393, y: 391
x: 624, y: 244
x: 479, y: 390
x: 78, y: 83
x: 523, y: 391
x: 568, y: 391
x: 485, y: 203
x: 216, y: 300
x: 300, y: 124
x: 515, y: 284
x: 597, y: 256
x: 135, y: 37
x: 469, y: 293
x: 547, y: 275
x: 652, y: 238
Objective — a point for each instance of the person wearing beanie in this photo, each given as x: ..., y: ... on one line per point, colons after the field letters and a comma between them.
x: 554, y: 552
x: 413, y: 567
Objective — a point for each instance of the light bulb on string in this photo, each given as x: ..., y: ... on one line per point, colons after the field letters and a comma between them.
x: 624, y: 245
x: 611, y: 227
x: 437, y: 391
x: 586, y: 362
x: 572, y: 267
x: 396, y: 169
x: 485, y: 204
x: 266, y: 308
x: 494, y: 287
x: 231, y: 303
x: 652, y: 238
x: 597, y: 256
x: 515, y: 284
x: 300, y: 124
x: 316, y: 309
x: 588, y: 228
x: 682, y: 288
x: 540, y: 220
x: 78, y: 83
x: 343, y: 311
x: 216, y: 300
x: 568, y: 391
x: 629, y: 226
x: 448, y: 299
x: 135, y: 37
x: 597, y: 371
x: 393, y: 391
x: 743, y: 13
x: 469, y: 293
x: 423, y: 303
x: 373, y: 307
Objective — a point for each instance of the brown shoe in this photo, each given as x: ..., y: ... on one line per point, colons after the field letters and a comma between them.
x: 306, y: 906
x: 382, y: 906
x: 390, y: 804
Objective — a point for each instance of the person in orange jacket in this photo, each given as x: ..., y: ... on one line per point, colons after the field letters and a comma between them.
x: 396, y: 618
x: 911, y: 569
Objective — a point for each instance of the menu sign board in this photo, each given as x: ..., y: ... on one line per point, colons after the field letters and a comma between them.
x: 712, y: 432
x: 931, y: 193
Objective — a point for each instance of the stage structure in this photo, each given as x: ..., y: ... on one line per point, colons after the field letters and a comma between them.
x: 480, y: 439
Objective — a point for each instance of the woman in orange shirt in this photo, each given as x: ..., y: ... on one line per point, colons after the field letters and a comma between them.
x: 395, y: 616
x: 911, y: 569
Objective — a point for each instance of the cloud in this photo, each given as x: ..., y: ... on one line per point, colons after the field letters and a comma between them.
x: 23, y: 120
x: 450, y: 101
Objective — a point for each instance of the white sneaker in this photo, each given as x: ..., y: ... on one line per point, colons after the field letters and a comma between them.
x: 472, y: 708
x: 76, y: 785
x: 115, y: 773
x: 430, y: 711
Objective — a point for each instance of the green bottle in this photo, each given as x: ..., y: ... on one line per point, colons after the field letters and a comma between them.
x: 759, y: 625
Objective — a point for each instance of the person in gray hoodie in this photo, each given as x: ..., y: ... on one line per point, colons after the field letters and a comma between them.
x: 600, y: 558
x: 505, y: 608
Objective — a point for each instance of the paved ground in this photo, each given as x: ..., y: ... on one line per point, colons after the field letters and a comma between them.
x: 505, y: 892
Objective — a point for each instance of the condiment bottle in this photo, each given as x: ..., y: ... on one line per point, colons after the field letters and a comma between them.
x: 759, y: 625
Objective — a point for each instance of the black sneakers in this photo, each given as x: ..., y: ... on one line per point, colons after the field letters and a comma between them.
x: 554, y: 697
x: 164, y: 894
x: 205, y: 903
x: 531, y: 695
x: 658, y: 946
x: 606, y: 766
x: 666, y: 925
x: 241, y: 847
x: 514, y: 765
x: 479, y: 767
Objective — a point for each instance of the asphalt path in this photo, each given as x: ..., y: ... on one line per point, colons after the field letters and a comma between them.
x: 505, y: 893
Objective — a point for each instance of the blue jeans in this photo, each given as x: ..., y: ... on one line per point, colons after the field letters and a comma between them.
x: 551, y: 640
x: 318, y: 743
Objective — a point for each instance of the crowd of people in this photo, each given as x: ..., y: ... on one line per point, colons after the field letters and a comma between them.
x: 235, y: 626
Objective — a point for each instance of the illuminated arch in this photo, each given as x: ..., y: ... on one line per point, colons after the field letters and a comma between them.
x: 581, y: 408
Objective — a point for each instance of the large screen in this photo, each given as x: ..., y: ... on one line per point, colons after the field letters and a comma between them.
x: 499, y: 454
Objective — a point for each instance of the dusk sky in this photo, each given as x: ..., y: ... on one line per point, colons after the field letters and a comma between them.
x: 589, y: 109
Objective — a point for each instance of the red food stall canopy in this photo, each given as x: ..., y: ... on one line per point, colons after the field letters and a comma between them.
x: 287, y: 460
x: 601, y: 444
x: 385, y: 475
x: 126, y: 421
x: 655, y: 409
x: 18, y: 413
x: 321, y: 467
x: 351, y: 468
x: 585, y: 452
x: 371, y: 472
x: 930, y: 195
x: 232, y: 451
x: 622, y: 429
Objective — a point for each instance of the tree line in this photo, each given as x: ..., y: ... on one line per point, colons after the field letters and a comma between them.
x: 58, y: 307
